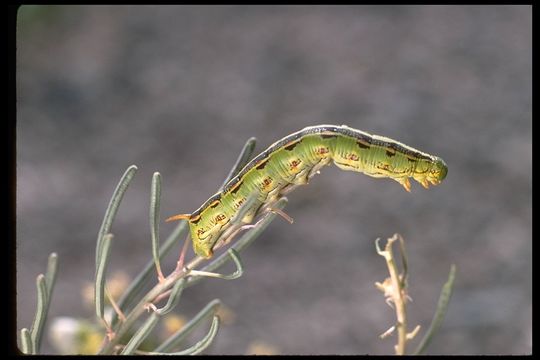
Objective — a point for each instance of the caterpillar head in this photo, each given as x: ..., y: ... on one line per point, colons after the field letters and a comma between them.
x: 437, y: 172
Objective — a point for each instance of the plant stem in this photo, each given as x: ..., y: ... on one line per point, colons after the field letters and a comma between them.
x: 397, y: 294
x: 139, y: 309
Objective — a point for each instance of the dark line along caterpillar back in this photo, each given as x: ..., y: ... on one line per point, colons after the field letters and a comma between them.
x: 292, y: 160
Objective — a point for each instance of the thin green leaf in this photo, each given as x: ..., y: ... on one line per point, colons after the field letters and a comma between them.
x: 26, y: 342
x: 201, y: 345
x: 112, y: 208
x: 134, y: 289
x: 175, y: 339
x: 99, y: 286
x: 155, y: 196
x: 141, y: 334
x: 50, y: 275
x: 41, y: 313
x: 174, y: 298
x: 205, y: 342
x: 242, y: 243
x: 50, y: 279
x: 239, y: 269
x: 442, y: 306
x: 239, y: 266
x: 242, y: 160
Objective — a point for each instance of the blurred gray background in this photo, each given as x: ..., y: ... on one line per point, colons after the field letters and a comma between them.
x: 179, y: 89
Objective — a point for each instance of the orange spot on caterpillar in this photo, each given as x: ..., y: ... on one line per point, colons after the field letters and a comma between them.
x: 294, y: 164
x: 266, y: 182
x: 383, y: 166
x: 322, y: 150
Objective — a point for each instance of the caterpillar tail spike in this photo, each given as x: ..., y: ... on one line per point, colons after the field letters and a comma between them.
x: 178, y: 217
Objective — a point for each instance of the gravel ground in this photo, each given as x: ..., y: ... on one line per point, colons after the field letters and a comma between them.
x: 179, y: 89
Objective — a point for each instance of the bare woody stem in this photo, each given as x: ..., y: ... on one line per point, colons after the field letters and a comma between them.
x: 397, y: 295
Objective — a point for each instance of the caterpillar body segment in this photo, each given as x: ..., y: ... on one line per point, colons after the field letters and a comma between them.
x: 292, y: 160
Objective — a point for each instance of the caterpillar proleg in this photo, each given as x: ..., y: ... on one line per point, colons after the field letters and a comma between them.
x: 291, y: 161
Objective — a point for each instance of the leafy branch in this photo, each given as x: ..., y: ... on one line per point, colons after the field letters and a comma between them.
x: 170, y: 286
x: 133, y: 304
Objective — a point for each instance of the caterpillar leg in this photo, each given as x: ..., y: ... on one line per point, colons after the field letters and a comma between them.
x: 281, y: 213
x: 271, y: 209
x: 404, y: 181
x: 231, y: 233
x: 227, y: 237
x: 303, y: 178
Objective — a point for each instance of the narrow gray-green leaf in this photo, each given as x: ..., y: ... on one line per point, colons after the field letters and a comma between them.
x: 99, y: 285
x: 141, y: 334
x: 239, y: 268
x: 205, y: 342
x: 26, y: 342
x: 129, y: 297
x: 41, y: 313
x: 50, y: 279
x: 442, y: 306
x: 50, y: 275
x: 155, y: 196
x: 175, y: 339
x: 242, y: 160
x: 201, y: 345
x: 174, y: 298
x: 112, y: 208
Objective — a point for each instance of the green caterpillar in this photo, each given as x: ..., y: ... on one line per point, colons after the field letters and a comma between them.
x: 292, y: 160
